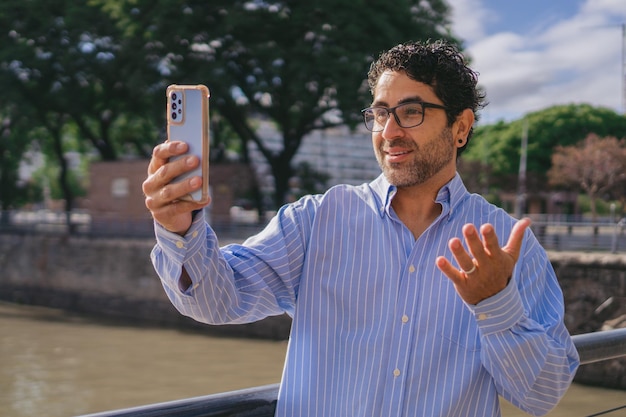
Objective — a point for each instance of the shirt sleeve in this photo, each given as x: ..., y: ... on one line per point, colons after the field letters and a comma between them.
x: 524, y: 343
x: 236, y: 283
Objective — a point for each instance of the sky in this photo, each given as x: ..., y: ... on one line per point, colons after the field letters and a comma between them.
x: 534, y: 54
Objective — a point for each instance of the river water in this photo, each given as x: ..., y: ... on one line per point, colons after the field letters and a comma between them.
x: 59, y: 364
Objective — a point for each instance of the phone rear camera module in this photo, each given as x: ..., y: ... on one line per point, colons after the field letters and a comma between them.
x: 174, y: 106
x: 174, y: 96
x: 174, y: 115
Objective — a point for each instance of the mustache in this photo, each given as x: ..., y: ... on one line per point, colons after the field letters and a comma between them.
x: 402, y: 143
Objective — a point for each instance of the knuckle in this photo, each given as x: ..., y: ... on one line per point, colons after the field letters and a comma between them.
x: 145, y: 186
x: 150, y: 204
x: 165, y: 193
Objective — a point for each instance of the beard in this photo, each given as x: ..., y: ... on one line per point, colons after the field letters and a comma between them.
x: 428, y: 159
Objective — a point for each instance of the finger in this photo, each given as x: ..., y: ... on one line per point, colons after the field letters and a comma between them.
x: 449, y: 270
x: 514, y: 244
x: 159, y: 188
x: 474, y: 243
x: 491, y: 244
x: 463, y: 259
x: 163, y: 152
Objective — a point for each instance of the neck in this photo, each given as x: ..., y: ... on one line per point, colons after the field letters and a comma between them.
x: 416, y: 206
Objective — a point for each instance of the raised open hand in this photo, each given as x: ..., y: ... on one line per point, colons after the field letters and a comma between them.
x: 487, y: 268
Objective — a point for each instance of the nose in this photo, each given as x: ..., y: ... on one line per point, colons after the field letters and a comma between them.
x: 392, y: 129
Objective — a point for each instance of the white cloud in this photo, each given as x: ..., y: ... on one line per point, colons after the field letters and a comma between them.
x: 468, y: 17
x: 570, y: 60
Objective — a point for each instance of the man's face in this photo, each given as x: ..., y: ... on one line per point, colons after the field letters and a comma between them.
x: 412, y: 156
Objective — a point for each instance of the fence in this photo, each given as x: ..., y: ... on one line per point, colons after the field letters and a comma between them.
x: 556, y: 233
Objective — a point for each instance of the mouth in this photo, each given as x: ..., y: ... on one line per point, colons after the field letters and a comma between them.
x: 395, y: 155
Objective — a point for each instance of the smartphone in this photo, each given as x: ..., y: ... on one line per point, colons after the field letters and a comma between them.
x: 188, y: 121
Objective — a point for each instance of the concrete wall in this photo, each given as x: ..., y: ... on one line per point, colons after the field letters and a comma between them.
x: 105, y: 277
x: 114, y: 279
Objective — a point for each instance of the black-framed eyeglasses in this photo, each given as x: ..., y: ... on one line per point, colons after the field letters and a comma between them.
x: 410, y: 114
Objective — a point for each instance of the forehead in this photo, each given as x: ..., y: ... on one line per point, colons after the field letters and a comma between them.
x: 394, y: 87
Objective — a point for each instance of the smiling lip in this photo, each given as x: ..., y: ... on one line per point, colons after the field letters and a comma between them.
x: 395, y: 155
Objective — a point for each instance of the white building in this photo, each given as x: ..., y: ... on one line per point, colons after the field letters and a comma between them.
x: 347, y: 157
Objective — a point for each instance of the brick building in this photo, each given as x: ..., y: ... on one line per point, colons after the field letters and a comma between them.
x: 116, y: 203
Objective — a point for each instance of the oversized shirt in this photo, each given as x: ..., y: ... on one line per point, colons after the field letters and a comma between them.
x: 378, y: 329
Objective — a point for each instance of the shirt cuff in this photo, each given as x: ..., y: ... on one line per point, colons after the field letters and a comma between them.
x: 175, y: 246
x: 499, y: 312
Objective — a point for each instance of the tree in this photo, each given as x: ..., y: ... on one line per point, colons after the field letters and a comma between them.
x: 498, y: 145
x: 13, y: 143
x: 595, y: 165
x: 66, y: 63
x: 300, y: 65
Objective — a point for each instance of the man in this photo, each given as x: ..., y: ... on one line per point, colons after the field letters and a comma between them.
x: 403, y: 301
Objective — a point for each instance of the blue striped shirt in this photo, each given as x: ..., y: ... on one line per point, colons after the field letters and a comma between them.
x: 378, y: 330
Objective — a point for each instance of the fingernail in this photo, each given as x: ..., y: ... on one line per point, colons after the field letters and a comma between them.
x: 180, y: 147
x: 190, y: 161
x: 195, y: 182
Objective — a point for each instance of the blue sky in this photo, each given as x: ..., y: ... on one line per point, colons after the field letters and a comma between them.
x: 533, y: 54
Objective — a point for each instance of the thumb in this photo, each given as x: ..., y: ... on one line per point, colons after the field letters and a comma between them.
x: 514, y: 244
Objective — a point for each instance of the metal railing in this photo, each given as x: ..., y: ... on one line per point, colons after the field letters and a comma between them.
x: 600, y: 236
x: 558, y: 233
x: 261, y: 401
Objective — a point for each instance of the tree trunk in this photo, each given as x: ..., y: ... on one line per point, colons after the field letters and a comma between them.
x: 282, y: 173
x: 66, y: 189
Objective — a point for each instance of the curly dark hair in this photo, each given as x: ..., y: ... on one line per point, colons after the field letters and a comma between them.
x: 440, y: 65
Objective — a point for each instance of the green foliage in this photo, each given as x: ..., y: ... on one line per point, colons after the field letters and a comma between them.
x: 301, y: 65
x: 101, y: 66
x: 41, y: 178
x: 498, y: 145
x: 603, y: 207
x: 14, y: 142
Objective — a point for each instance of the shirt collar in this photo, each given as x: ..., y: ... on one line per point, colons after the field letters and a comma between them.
x: 449, y: 196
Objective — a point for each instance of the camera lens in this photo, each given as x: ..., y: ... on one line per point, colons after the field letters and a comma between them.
x: 174, y: 115
x: 174, y: 96
x: 174, y: 106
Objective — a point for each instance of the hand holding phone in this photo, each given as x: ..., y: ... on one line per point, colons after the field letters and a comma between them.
x: 188, y: 121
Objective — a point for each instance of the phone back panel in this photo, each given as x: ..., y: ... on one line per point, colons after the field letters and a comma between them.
x: 188, y: 121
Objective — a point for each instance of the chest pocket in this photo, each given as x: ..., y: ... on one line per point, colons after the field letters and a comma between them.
x: 460, y: 326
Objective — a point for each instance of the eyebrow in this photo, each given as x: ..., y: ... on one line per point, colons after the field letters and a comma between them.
x: 412, y: 99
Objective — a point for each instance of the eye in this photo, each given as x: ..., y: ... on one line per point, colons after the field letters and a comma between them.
x: 411, y: 110
x: 380, y: 113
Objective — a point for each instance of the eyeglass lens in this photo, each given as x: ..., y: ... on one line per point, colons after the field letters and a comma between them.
x: 406, y: 115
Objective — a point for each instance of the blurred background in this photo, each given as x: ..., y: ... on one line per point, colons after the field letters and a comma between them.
x: 84, y: 326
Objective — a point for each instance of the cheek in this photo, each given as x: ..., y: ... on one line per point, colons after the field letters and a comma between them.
x: 377, y: 139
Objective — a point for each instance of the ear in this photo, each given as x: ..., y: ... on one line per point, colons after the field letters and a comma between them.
x: 462, y: 126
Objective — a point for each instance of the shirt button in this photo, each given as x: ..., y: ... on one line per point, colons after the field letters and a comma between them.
x: 396, y: 372
x: 405, y: 319
x: 195, y: 234
x: 482, y: 316
x: 411, y: 269
x: 179, y: 244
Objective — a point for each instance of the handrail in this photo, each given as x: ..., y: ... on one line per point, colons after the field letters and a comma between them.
x: 261, y: 401
x: 600, y: 346
x: 251, y: 402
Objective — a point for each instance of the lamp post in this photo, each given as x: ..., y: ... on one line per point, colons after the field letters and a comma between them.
x: 520, y: 200
x: 624, y: 68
